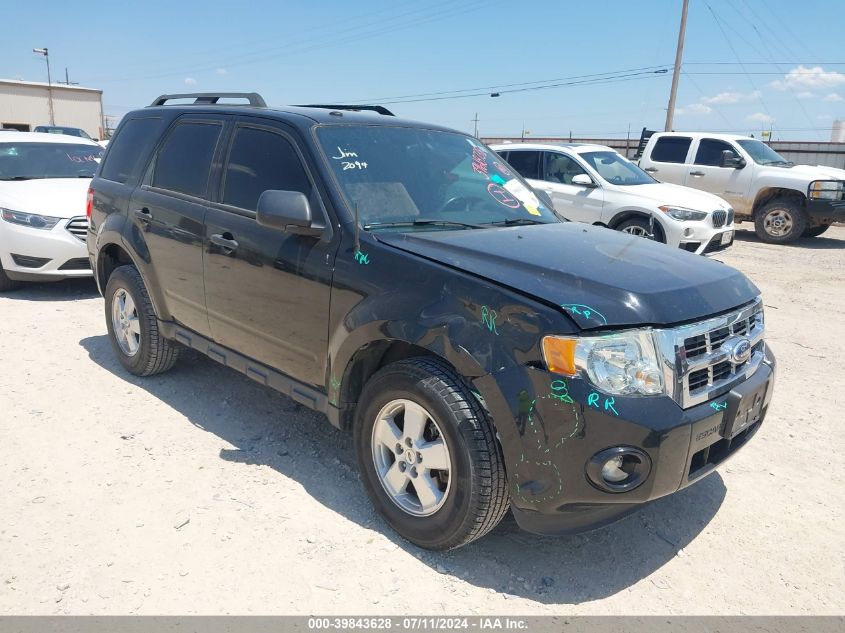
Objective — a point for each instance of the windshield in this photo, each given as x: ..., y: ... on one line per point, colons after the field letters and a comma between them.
x: 416, y: 179
x: 24, y: 161
x: 616, y: 170
x: 761, y: 153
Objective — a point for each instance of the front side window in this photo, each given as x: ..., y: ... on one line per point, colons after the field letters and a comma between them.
x: 27, y: 161
x: 261, y: 160
x: 561, y: 168
x: 526, y: 163
x: 418, y: 179
x: 710, y: 152
x: 616, y: 170
x: 183, y: 163
x: 761, y: 153
x: 671, y: 149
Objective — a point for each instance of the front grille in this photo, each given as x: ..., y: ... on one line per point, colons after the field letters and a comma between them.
x: 703, y: 366
x: 715, y: 245
x: 730, y: 217
x: 77, y: 263
x: 719, y: 218
x: 78, y: 227
x: 719, y: 451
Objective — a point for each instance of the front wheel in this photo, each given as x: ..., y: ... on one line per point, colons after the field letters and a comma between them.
x: 641, y: 227
x: 133, y: 327
x: 428, y: 455
x: 780, y: 221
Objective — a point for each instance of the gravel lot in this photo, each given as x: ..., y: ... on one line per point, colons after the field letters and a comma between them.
x: 199, y: 491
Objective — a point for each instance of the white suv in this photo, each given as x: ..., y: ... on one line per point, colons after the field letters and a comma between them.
x: 595, y: 184
x: 44, y: 179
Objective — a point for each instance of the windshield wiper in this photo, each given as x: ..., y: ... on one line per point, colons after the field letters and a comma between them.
x: 516, y: 222
x: 21, y: 178
x: 463, y: 225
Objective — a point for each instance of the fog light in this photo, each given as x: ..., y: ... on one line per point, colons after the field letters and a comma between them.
x: 687, y: 232
x: 618, y: 469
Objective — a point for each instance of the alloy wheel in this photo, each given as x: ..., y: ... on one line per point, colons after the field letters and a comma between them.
x: 778, y: 222
x: 125, y: 323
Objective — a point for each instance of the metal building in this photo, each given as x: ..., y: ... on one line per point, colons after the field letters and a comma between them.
x: 25, y: 104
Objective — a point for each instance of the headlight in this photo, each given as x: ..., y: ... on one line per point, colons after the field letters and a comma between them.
x: 32, y: 220
x: 622, y: 364
x: 683, y: 214
x: 826, y: 189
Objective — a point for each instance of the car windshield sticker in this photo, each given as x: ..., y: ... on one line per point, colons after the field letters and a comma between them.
x: 503, y: 196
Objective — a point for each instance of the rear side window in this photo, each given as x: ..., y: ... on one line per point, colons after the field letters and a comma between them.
x: 129, y: 149
x: 261, y: 160
x: 671, y: 149
x: 710, y: 152
x: 527, y: 163
x: 184, y: 161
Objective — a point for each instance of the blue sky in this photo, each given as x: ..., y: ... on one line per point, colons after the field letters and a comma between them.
x: 748, y: 64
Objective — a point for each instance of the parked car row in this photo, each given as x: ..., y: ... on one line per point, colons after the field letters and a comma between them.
x: 408, y: 282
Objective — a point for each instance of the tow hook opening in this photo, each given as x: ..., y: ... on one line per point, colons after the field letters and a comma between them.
x: 618, y: 469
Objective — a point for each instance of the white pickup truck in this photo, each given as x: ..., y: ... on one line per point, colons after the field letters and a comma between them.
x: 784, y: 201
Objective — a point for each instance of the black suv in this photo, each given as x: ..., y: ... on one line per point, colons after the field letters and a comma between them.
x: 402, y: 279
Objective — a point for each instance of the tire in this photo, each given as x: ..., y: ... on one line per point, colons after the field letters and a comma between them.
x: 780, y: 221
x: 6, y: 283
x: 815, y: 231
x: 641, y: 227
x: 139, y: 347
x: 473, y: 491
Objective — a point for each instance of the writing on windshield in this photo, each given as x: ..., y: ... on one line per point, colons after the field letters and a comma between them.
x: 19, y: 161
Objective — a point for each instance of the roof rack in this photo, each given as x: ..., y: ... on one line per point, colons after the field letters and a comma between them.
x: 211, y: 98
x: 371, y: 108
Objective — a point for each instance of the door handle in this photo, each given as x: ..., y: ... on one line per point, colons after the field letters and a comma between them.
x: 224, y: 241
x: 651, y: 170
x: 696, y: 173
x: 143, y: 214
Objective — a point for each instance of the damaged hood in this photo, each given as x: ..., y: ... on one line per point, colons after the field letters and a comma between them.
x: 600, y: 277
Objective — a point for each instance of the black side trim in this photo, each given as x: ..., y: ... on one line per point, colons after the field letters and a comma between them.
x: 301, y: 393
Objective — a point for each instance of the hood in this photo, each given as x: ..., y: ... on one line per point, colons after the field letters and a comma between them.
x: 612, y: 279
x: 57, y: 197
x: 818, y: 172
x: 664, y: 193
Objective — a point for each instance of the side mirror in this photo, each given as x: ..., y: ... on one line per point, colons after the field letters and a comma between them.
x: 729, y: 159
x: 288, y: 211
x: 584, y: 180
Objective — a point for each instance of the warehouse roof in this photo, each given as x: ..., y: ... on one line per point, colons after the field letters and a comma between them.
x: 43, y: 84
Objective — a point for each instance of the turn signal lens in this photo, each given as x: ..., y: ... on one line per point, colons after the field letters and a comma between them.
x: 559, y: 354
x: 89, y: 202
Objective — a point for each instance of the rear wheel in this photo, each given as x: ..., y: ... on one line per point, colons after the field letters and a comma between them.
x: 780, y: 221
x: 132, y: 325
x: 428, y: 456
x: 815, y: 231
x: 641, y: 227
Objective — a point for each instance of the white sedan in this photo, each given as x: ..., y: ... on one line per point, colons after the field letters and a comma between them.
x: 44, y: 179
x: 595, y: 184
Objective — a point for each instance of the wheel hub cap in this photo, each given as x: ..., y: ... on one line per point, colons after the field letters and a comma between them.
x: 411, y: 457
x: 127, y: 327
x: 778, y: 223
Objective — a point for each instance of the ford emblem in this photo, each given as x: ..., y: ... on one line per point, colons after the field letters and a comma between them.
x: 738, y: 349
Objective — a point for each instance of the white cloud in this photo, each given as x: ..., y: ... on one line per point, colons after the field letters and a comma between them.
x: 694, y: 108
x: 732, y: 97
x: 190, y: 81
x: 760, y: 117
x: 833, y: 97
x: 809, y: 79
x: 806, y: 94
x: 221, y: 71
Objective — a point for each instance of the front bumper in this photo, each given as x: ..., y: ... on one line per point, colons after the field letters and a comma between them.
x: 553, y: 441
x: 29, y: 254
x: 825, y: 211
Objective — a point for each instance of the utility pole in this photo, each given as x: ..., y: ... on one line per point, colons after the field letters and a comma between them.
x: 46, y: 53
x: 670, y: 111
x: 67, y: 80
x: 475, y: 120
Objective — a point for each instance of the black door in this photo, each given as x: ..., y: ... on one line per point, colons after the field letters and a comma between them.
x: 169, y: 209
x: 267, y: 291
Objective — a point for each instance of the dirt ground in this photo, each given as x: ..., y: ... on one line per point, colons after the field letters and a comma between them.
x: 198, y: 491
